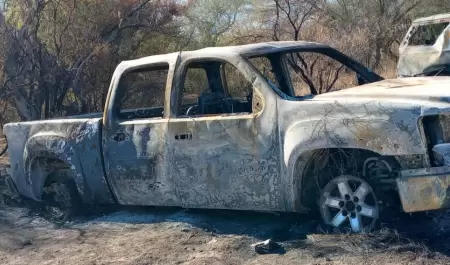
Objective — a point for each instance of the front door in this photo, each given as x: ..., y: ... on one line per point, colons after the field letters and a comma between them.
x: 135, y: 145
x: 223, y: 156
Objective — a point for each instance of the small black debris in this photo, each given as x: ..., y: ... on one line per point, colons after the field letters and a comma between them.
x: 266, y: 247
x: 26, y: 242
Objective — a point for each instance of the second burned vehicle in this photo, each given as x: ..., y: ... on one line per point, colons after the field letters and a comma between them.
x: 241, y: 128
x: 425, y: 49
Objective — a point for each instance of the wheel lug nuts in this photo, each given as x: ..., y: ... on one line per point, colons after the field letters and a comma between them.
x: 353, y: 215
x: 355, y: 199
x: 344, y: 213
x: 347, y: 197
x: 358, y: 208
x: 341, y: 204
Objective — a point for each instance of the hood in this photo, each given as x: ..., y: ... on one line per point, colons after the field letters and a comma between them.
x: 436, y: 89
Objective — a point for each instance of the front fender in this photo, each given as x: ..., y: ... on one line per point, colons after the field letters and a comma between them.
x: 382, y: 137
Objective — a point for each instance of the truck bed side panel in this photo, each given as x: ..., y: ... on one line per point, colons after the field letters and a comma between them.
x: 77, y: 142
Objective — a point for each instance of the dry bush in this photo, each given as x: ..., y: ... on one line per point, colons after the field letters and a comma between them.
x: 355, y: 43
x: 60, y: 55
x: 57, y: 57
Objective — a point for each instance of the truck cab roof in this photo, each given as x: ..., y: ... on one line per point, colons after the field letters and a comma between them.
x: 432, y: 19
x: 246, y: 50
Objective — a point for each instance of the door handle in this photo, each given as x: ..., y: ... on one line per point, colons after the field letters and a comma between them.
x: 183, y: 136
x: 119, y: 137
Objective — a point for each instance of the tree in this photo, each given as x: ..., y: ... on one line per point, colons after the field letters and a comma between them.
x: 384, y: 22
x: 290, y: 18
x: 431, y: 7
x: 57, y: 56
x: 51, y: 44
x: 209, y: 20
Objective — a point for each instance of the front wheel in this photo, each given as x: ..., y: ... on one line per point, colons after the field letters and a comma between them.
x: 348, y: 202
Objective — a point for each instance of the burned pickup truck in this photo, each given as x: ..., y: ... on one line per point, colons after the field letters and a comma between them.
x: 244, y: 128
x: 425, y: 49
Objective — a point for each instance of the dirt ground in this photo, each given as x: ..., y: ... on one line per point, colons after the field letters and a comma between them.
x: 179, y: 236
x: 130, y: 235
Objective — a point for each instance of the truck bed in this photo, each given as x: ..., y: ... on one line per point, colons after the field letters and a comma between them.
x: 73, y: 141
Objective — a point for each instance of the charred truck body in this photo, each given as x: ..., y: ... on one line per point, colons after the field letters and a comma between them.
x: 241, y: 128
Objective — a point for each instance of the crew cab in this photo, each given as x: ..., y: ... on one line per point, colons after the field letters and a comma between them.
x: 247, y: 127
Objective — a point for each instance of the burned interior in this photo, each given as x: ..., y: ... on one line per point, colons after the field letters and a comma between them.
x: 315, y: 71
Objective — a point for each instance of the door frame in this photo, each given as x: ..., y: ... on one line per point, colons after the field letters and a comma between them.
x: 265, y: 119
x: 112, y: 104
x: 111, y: 120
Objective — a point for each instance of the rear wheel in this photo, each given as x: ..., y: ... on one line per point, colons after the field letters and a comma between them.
x: 60, y: 199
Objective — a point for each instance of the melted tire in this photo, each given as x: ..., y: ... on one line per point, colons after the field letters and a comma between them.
x: 61, y: 201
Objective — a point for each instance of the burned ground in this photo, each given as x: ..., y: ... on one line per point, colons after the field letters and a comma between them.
x: 155, y: 235
x: 158, y: 235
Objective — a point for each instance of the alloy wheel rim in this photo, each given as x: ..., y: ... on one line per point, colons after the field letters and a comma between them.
x: 349, y: 202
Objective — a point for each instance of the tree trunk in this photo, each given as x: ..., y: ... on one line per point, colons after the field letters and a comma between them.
x: 25, y: 109
x: 378, y: 48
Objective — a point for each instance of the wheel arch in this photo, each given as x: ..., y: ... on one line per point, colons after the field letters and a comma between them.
x: 41, y: 172
x: 299, y: 169
x: 46, y: 152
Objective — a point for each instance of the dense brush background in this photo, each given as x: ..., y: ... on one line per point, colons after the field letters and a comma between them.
x: 57, y: 56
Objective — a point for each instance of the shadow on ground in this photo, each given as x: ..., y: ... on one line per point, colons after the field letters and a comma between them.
x: 426, y: 235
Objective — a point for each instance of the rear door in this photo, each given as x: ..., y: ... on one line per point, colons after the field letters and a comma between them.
x: 134, y: 141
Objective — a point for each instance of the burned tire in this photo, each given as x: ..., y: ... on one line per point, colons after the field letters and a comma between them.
x: 60, y: 199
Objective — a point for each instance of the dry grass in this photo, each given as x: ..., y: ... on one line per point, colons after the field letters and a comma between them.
x: 188, y: 237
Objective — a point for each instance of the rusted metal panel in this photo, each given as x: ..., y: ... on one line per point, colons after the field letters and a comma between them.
x: 226, y: 165
x: 137, y: 165
x: 424, y: 189
x: 73, y: 141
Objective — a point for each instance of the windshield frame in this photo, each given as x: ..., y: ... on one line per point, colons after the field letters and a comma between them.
x: 278, y: 59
